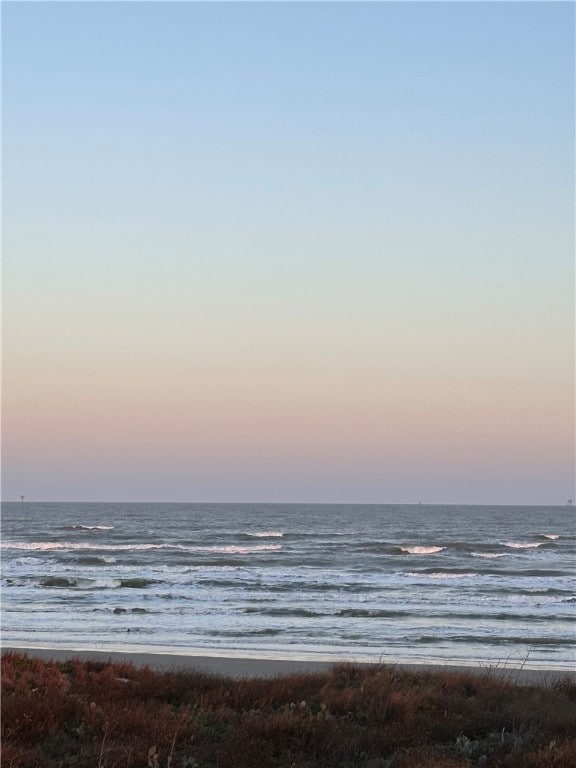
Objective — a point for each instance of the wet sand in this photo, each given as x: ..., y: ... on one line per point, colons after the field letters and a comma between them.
x: 243, y: 666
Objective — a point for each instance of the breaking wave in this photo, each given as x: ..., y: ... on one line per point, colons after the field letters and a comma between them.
x: 236, y: 550
x: 489, y: 555
x: 83, y: 583
x: 53, y: 545
x: 92, y: 527
x: 422, y: 550
x: 498, y: 640
x: 438, y: 574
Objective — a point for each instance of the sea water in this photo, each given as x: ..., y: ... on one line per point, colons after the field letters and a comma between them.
x: 491, y: 585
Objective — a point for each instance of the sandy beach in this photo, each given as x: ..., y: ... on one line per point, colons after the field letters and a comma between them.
x: 248, y: 667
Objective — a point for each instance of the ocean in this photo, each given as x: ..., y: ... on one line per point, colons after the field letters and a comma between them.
x: 406, y: 583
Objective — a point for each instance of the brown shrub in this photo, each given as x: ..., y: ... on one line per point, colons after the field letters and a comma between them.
x: 553, y: 755
x: 350, y: 717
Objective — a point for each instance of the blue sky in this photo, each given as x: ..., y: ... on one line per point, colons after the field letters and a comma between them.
x: 315, y: 214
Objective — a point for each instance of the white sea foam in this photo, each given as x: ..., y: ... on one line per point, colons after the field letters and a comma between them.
x: 552, y: 536
x: 422, y: 550
x: 94, y: 527
x: 99, y: 584
x: 522, y: 544
x: 488, y: 555
x: 32, y: 545
x: 81, y: 545
x: 234, y: 550
x: 30, y: 561
x: 438, y: 575
x: 50, y: 545
x: 267, y: 534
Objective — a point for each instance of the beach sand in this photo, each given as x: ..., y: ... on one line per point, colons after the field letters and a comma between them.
x: 244, y: 667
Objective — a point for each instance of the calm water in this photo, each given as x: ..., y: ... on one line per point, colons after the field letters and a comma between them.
x: 489, y: 584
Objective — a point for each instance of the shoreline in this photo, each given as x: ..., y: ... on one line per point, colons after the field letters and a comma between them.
x: 239, y: 666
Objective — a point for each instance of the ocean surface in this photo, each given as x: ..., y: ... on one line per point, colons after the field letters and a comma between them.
x: 491, y: 585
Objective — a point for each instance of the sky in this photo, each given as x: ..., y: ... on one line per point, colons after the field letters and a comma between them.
x: 301, y: 252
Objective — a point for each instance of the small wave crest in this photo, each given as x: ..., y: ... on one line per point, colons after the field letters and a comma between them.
x: 300, y: 613
x: 83, y: 583
x: 119, y: 610
x: 497, y: 640
x: 433, y: 574
x: 239, y: 550
x: 369, y: 613
x: 92, y: 560
x: 92, y: 527
x: 30, y: 546
x: 58, y: 581
x: 269, y: 632
x: 422, y: 550
x: 552, y: 536
x: 28, y: 560
x: 488, y: 555
x: 267, y: 534
x: 136, y: 583
x: 523, y: 544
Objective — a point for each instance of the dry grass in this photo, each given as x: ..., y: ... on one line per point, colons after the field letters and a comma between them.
x: 100, y: 715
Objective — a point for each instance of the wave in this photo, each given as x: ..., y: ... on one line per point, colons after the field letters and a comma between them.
x: 53, y: 545
x: 433, y: 574
x: 421, y: 550
x: 501, y: 572
x: 31, y: 561
x: 137, y: 583
x: 92, y: 527
x: 347, y: 613
x: 61, y: 582
x: 237, y: 550
x: 16, y: 582
x: 244, y: 633
x: 552, y: 536
x: 58, y: 581
x: 302, y: 586
x: 489, y: 555
x: 481, y: 617
x: 266, y: 534
x: 95, y: 559
x: 496, y: 640
x: 128, y: 610
x: 83, y: 583
x: 369, y: 613
x: 522, y: 544
x: 284, y: 612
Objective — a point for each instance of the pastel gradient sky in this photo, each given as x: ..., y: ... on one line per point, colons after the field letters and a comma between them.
x: 289, y: 252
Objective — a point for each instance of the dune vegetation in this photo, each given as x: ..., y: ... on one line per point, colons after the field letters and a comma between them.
x: 104, y: 715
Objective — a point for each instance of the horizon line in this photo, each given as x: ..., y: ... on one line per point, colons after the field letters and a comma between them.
x: 568, y: 503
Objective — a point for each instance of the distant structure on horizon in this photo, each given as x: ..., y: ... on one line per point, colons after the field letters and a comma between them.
x: 569, y: 503
x: 22, y: 497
